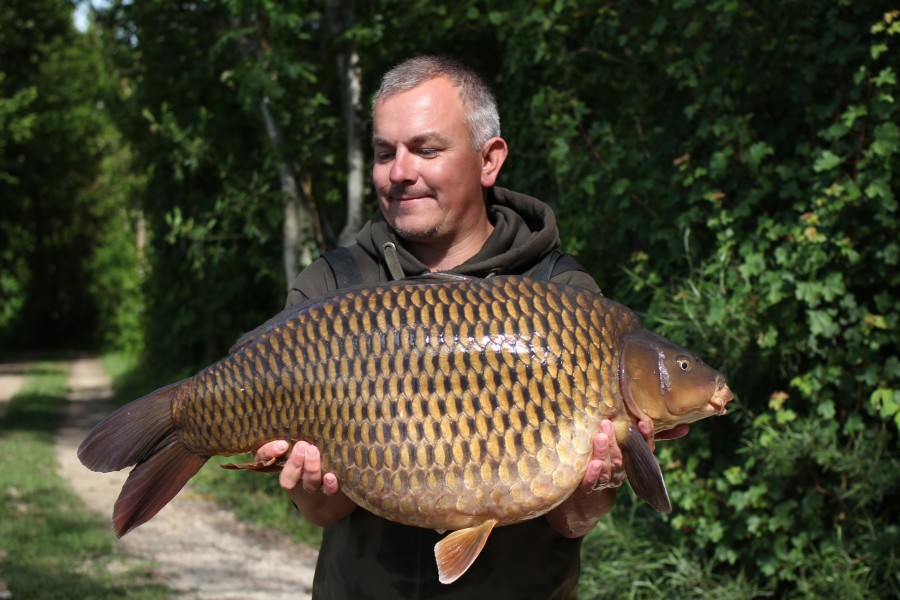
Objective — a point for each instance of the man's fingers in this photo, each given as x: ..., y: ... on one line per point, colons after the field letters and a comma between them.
x: 293, y: 467
x: 271, y: 450
x: 645, y: 427
x: 615, y: 453
x: 330, y: 485
x: 605, y: 467
x: 312, y: 469
x: 592, y: 475
x: 599, y: 468
x: 303, y: 469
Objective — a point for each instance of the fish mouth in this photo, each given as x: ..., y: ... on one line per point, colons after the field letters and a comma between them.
x: 721, y: 397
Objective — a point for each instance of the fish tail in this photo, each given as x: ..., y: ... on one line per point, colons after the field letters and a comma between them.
x: 642, y: 468
x: 142, y: 433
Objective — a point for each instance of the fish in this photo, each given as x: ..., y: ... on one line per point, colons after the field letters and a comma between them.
x: 447, y: 402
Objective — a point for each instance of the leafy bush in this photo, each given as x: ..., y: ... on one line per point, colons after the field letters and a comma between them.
x: 739, y: 163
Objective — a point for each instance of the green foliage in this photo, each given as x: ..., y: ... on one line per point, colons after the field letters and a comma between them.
x: 51, y: 546
x: 623, y: 559
x: 197, y: 76
x: 58, y: 217
x: 740, y: 163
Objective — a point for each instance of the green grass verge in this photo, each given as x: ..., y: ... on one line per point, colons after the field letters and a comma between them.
x: 51, y: 546
x: 254, y: 497
x: 621, y: 561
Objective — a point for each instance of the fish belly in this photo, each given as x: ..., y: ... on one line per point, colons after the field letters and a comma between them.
x: 439, y: 404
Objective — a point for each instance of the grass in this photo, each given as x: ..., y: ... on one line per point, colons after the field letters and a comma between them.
x: 254, y: 497
x: 51, y: 546
x: 619, y: 560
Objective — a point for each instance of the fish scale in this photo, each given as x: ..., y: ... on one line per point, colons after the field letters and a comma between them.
x: 444, y: 402
x: 476, y: 380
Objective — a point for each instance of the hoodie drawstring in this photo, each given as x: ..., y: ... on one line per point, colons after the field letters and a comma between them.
x: 389, y: 250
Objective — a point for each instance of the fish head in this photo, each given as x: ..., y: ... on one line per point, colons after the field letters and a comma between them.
x: 668, y: 383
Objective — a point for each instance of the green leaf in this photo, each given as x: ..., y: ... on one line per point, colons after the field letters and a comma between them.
x: 825, y: 409
x: 885, y: 77
x: 785, y: 416
x: 887, y: 402
x: 757, y: 152
x: 853, y: 112
x: 887, y: 139
x: 827, y: 161
x: 877, y: 50
x: 821, y: 323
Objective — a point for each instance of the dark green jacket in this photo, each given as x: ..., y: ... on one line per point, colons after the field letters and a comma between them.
x: 365, y: 556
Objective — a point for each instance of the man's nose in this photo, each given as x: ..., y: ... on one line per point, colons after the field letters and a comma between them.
x: 403, y: 167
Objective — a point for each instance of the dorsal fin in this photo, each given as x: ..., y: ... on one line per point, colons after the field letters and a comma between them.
x: 285, y: 315
x: 438, y: 277
x: 291, y: 311
x: 456, y: 552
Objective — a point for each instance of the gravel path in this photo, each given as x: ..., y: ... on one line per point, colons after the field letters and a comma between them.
x: 198, y: 549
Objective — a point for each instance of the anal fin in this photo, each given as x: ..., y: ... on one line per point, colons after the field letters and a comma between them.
x: 644, y: 474
x: 456, y: 552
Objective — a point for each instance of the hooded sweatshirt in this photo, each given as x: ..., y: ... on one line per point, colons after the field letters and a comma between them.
x: 524, y: 232
x: 366, y: 556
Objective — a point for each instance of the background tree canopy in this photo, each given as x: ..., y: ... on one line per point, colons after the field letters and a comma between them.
x: 723, y: 167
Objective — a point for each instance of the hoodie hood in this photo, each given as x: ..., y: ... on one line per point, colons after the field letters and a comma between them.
x: 524, y: 231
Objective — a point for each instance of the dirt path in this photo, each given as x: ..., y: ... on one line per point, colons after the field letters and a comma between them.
x: 12, y: 376
x: 199, y: 549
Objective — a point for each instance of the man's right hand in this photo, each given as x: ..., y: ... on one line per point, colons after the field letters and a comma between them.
x: 317, y: 495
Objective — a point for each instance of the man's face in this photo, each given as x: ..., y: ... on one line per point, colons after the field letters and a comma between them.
x: 426, y: 173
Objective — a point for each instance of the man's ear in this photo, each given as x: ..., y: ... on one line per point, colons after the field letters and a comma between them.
x: 493, y: 155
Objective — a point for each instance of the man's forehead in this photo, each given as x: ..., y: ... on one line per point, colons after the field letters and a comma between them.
x: 418, y: 139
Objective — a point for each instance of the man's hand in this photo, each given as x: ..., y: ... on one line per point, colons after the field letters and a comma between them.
x: 316, y: 494
x: 303, y: 466
x: 596, y: 495
x: 605, y: 467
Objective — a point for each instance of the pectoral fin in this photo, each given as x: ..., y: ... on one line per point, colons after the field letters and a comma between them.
x: 456, y: 552
x: 643, y: 471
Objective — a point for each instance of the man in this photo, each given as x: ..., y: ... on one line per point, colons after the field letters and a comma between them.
x: 438, y: 153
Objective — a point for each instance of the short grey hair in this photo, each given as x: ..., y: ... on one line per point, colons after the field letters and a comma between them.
x: 482, y: 116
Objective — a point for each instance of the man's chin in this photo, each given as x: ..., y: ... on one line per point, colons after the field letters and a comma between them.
x: 412, y: 222
x: 416, y: 233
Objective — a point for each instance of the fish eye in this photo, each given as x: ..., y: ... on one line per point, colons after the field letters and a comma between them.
x: 684, y: 362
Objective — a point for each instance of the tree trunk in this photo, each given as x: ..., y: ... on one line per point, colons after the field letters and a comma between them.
x: 300, y: 229
x: 340, y: 18
x: 298, y: 218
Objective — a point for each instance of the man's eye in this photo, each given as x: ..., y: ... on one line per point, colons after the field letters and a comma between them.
x: 384, y: 156
x: 428, y: 152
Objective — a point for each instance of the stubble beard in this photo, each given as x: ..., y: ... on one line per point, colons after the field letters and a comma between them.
x: 397, y: 213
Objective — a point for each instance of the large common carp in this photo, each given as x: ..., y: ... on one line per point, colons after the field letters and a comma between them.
x: 443, y: 402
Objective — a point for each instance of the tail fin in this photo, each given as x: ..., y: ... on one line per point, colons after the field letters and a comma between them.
x: 142, y: 433
x: 643, y: 471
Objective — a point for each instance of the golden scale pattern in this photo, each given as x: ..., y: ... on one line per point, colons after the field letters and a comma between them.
x: 456, y: 398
